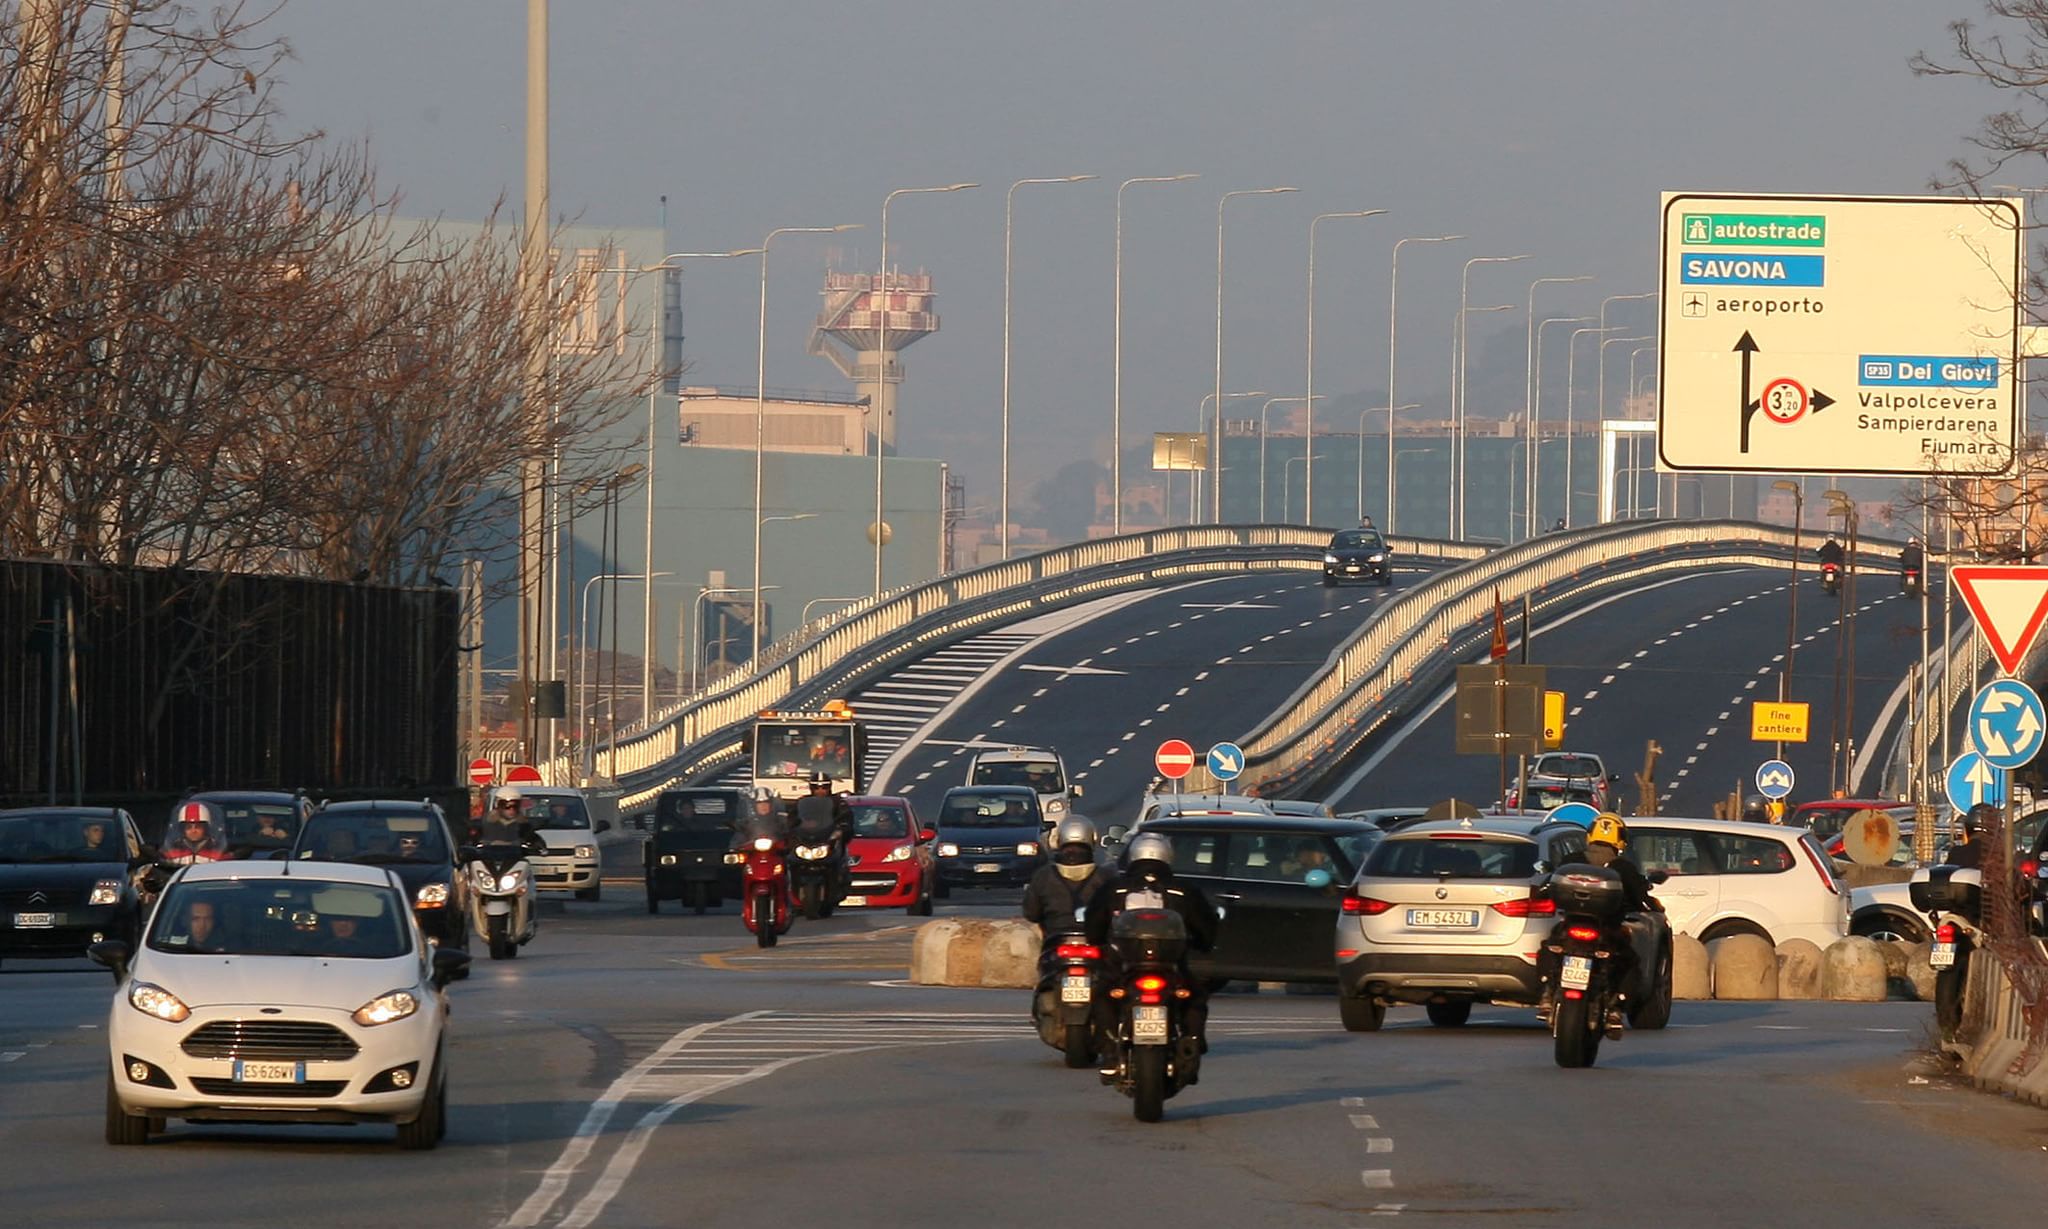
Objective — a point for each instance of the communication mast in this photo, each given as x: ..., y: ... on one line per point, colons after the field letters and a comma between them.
x: 868, y: 341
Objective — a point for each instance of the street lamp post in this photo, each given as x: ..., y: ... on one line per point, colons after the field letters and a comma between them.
x: 1458, y: 401
x: 1393, y: 319
x: 1571, y: 393
x: 1530, y: 366
x: 1842, y: 756
x: 806, y: 618
x: 1309, y: 480
x: 1792, y: 612
x: 1270, y: 403
x: 697, y: 620
x: 1536, y: 417
x: 1613, y: 298
x: 1457, y: 468
x: 1634, y: 390
x: 1009, y: 208
x: 761, y: 402
x: 1116, y: 396
x: 1216, y: 433
x: 1202, y: 425
x: 584, y: 701
x: 1287, y: 483
x: 1413, y: 405
x: 882, y: 358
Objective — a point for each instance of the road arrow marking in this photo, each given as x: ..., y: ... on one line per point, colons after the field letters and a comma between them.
x: 1065, y: 671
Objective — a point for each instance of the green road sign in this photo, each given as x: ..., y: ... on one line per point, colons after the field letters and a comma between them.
x: 1755, y: 230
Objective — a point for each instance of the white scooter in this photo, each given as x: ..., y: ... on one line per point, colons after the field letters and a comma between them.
x: 501, y: 895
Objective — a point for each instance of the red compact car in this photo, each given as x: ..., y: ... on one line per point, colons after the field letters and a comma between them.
x: 890, y: 857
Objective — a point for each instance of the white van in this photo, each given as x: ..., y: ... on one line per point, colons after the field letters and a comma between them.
x: 569, y: 821
x: 1039, y: 768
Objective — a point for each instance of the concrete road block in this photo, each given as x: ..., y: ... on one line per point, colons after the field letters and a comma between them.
x: 1894, y: 957
x: 1009, y: 955
x: 1799, y: 969
x: 929, y: 951
x: 1853, y: 971
x: 963, y: 954
x: 1919, y: 973
x: 1745, y: 967
x: 1691, y: 974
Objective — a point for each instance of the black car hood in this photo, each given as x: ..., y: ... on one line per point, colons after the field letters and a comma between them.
x: 65, y: 876
x: 415, y: 875
x: 688, y: 841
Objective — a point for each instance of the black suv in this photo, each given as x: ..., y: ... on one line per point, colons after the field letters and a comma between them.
x: 412, y: 840
x: 1357, y: 554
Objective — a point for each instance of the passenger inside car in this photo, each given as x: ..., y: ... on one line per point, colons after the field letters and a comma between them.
x: 886, y: 822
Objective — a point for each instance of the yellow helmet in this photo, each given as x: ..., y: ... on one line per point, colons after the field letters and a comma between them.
x: 1608, y: 829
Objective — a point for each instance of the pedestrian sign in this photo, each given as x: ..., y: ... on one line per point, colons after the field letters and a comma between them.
x: 1226, y: 761
x: 1774, y: 779
x: 1970, y: 781
x: 2006, y: 723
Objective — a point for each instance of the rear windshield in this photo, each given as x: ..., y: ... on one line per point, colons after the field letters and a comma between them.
x: 1544, y: 797
x: 373, y: 837
x: 1568, y: 766
x: 1042, y: 776
x: 880, y: 821
x: 1456, y: 858
x: 969, y: 809
x: 258, y: 825
x: 693, y: 812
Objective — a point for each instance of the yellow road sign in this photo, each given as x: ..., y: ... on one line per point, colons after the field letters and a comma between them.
x: 1553, y: 719
x: 1774, y: 722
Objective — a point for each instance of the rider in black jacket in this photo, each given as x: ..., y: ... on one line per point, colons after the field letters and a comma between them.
x: 1148, y: 883
x: 1063, y: 887
x: 1604, y: 844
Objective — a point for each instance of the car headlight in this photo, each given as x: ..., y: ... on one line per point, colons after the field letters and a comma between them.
x: 1329, y: 558
x: 1375, y: 558
x: 1027, y: 849
x: 949, y: 851
x: 431, y: 896
x: 813, y: 853
x: 1055, y: 807
x: 900, y: 854
x: 156, y: 1001
x: 105, y: 892
x: 731, y: 859
x: 669, y: 859
x: 586, y: 851
x: 764, y: 843
x: 386, y: 1007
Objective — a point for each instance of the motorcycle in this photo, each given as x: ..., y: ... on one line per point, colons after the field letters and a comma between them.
x: 765, y: 903
x: 1951, y: 897
x: 1909, y: 579
x: 1590, y: 902
x: 1064, y: 1008
x: 1831, y: 578
x: 1155, y: 1056
x: 501, y: 895
x: 820, y: 877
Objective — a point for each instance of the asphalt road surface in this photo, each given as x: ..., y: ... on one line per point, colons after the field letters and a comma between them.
x: 657, y: 1071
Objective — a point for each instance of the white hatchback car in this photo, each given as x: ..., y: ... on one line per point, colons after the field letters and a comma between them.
x: 279, y: 992
x: 1723, y: 877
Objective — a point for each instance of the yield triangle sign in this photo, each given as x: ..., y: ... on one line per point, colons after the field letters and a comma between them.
x: 2009, y: 603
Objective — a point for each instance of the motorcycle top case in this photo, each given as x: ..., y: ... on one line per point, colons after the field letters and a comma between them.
x: 1149, y: 936
x: 1947, y: 889
x: 1588, y: 891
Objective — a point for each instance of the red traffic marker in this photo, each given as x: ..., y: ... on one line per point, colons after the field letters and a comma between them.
x: 2009, y: 602
x: 522, y: 774
x: 482, y: 772
x: 1174, y: 759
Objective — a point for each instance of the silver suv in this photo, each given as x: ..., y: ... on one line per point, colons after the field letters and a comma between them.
x: 1442, y: 914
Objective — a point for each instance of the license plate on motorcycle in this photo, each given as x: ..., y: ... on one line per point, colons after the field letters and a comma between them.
x: 1577, y: 974
x: 269, y: 1073
x: 1444, y: 919
x: 1943, y: 956
x: 34, y: 921
x: 1074, y: 990
x: 1148, y: 1026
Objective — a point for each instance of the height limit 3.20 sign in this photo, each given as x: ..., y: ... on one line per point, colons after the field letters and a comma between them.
x: 1838, y: 334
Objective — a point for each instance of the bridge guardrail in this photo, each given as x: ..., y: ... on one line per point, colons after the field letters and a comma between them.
x: 698, y: 737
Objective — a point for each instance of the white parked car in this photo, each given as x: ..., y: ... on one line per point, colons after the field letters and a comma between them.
x: 279, y: 992
x: 1725, y: 877
x: 563, y: 817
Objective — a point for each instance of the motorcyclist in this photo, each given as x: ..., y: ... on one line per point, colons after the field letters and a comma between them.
x: 196, y: 835
x: 1148, y: 883
x: 1830, y: 552
x: 823, y: 818
x: 505, y: 822
x: 1605, y: 841
x: 1969, y: 851
x: 1755, y: 810
x: 1061, y: 889
x: 1911, y: 556
x: 763, y: 819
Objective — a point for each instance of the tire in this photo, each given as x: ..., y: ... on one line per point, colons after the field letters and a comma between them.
x: 922, y: 907
x: 1450, y: 1015
x: 1577, y: 1043
x: 123, y: 1128
x: 764, y: 921
x: 1655, y: 1011
x: 1329, y: 582
x: 500, y: 941
x: 1079, y: 1048
x: 425, y: 1131
x: 808, y: 901
x: 1361, y: 1015
x: 1948, y: 1000
x: 1721, y: 930
x: 1386, y: 580
x: 653, y: 901
x: 1886, y: 926
x: 594, y: 892
x: 1148, y: 1083
x: 699, y: 898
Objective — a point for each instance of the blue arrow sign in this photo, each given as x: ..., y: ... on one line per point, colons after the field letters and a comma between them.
x: 1226, y: 761
x: 1971, y: 781
x: 2006, y: 723
x: 1774, y: 779
x: 1578, y: 813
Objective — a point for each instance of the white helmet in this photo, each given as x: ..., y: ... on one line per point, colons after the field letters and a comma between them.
x: 511, y: 793
x: 1150, y: 847
x: 1074, y: 831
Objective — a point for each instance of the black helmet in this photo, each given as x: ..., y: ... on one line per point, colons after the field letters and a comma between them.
x: 820, y: 779
x: 1978, y: 818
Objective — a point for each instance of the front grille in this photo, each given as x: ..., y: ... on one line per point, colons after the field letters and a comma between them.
x: 228, y: 1088
x: 561, y: 853
x: 294, y: 1039
x: 874, y: 883
x: 51, y: 898
x: 989, y: 851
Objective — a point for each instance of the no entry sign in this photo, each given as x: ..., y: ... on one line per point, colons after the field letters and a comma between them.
x: 1174, y: 759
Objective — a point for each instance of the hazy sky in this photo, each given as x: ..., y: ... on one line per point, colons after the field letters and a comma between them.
x: 1537, y: 126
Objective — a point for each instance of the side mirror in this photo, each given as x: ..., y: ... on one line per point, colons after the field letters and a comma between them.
x: 927, y: 834
x: 1659, y: 876
x: 112, y: 953
x: 604, y: 825
x: 448, y: 964
x: 1076, y: 790
x: 1614, y: 778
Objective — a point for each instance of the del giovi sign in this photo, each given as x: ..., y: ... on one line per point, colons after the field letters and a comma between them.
x: 1838, y: 334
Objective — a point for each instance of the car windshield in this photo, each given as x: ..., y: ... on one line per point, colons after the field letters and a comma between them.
x: 258, y: 825
x: 881, y: 821
x: 557, y: 811
x: 1461, y: 857
x: 372, y: 837
x: 693, y: 813
x: 971, y: 809
x: 1040, y: 775
x: 59, y: 837
x: 282, y: 917
x: 1568, y: 766
x: 1357, y: 539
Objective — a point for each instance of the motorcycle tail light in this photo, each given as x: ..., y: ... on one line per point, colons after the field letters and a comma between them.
x: 1151, y: 984
x: 1078, y: 951
x: 1527, y: 906
x: 1584, y: 934
x: 1182, y: 992
x: 1366, y: 905
x: 2030, y: 867
x: 1575, y: 994
x: 1945, y: 933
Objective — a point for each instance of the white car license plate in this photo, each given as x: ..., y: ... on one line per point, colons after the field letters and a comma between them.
x: 1148, y: 1026
x: 852, y: 902
x: 988, y: 868
x: 35, y: 921
x: 1578, y: 973
x: 1074, y: 990
x: 1943, y: 956
x: 1444, y: 919
x: 269, y: 1073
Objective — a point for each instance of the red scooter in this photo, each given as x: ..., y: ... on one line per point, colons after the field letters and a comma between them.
x: 765, y: 903
x: 1831, y: 578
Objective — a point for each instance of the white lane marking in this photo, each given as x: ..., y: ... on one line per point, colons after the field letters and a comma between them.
x: 1377, y: 1179
x: 1591, y: 694
x: 1147, y: 721
x: 1016, y: 710
x: 1199, y: 677
x: 1348, y: 1102
x: 1175, y: 623
x: 8, y: 1056
x: 997, y: 724
x: 1039, y: 694
x: 1228, y: 605
x: 1783, y: 1028
x: 1183, y: 691
x: 1162, y: 708
x: 1096, y: 763
x: 1577, y: 709
x: 1379, y: 1143
x: 1364, y: 1122
x: 1700, y: 747
x: 1711, y: 731
x: 1387, y: 1209
x: 1642, y: 652
x: 1128, y: 736
x: 1112, y: 750
x: 924, y: 776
